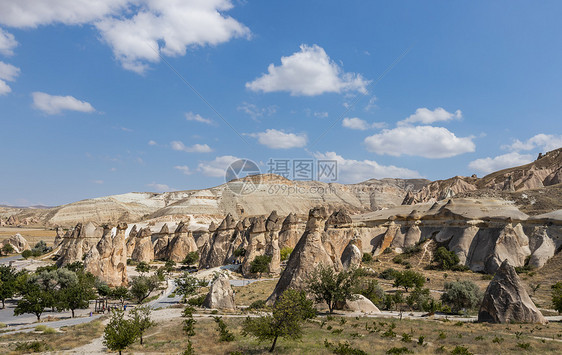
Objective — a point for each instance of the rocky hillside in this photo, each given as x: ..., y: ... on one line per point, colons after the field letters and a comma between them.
x: 544, y: 173
x: 271, y: 192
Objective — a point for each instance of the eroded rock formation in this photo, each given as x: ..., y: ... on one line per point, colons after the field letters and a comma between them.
x: 182, y: 243
x: 506, y: 300
x: 18, y: 243
x: 108, y: 259
x: 220, y: 295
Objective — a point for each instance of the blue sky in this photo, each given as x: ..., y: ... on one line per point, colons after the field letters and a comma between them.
x: 92, y: 102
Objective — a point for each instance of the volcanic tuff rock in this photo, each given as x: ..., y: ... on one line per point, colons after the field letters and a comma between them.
x: 143, y: 251
x: 291, y: 231
x: 220, y: 295
x: 361, y: 304
x: 215, y: 251
x: 78, y: 242
x: 17, y: 242
x: 507, y: 301
x: 320, y: 244
x: 161, y: 241
x: 182, y: 243
x: 108, y: 259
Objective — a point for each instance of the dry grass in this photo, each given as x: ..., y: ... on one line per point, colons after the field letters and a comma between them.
x: 68, y: 337
x: 367, y: 334
x: 256, y: 291
x: 32, y: 235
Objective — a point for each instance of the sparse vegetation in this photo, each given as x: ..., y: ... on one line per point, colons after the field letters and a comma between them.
x: 327, y: 285
x: 461, y: 294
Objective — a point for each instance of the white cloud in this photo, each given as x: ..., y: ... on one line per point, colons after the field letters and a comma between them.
x: 546, y: 142
x: 196, y: 148
x: 353, y: 171
x: 488, y: 165
x: 138, y: 31
x: 423, y: 141
x: 426, y: 116
x: 275, y: 139
x: 8, y: 72
x: 160, y: 187
x: 52, y: 105
x: 168, y: 28
x: 98, y: 182
x: 321, y: 114
x: 152, y: 143
x: 217, y: 167
x: 184, y: 169
x: 308, y: 72
x: 7, y: 43
x: 190, y: 116
x: 256, y: 112
x: 359, y: 124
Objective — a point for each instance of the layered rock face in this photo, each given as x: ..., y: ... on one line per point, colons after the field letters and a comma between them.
x: 18, y: 243
x: 321, y: 244
x: 143, y: 251
x: 220, y: 295
x: 215, y: 252
x: 161, y: 241
x: 78, y: 242
x: 291, y: 231
x: 483, y: 233
x: 182, y: 243
x: 108, y: 259
x: 263, y: 239
x: 507, y: 301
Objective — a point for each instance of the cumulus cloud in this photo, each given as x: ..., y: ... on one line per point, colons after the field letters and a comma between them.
x: 275, y: 139
x: 488, y: 165
x: 138, y: 31
x: 52, y: 105
x: 8, y: 72
x: 7, y: 43
x: 152, y: 143
x: 184, y: 169
x: 359, y: 124
x: 308, y: 72
x: 353, y: 171
x: 543, y: 141
x: 423, y: 141
x: 426, y: 116
x: 160, y: 187
x: 216, y: 167
x: 196, y: 148
x: 190, y: 116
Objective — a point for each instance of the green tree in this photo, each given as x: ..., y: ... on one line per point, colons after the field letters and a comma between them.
x: 461, y: 294
x: 408, y: 279
x: 224, y: 333
x: 186, y: 285
x: 7, y: 249
x: 260, y: 264
x: 332, y: 287
x: 8, y: 277
x: 143, y: 267
x: 119, y: 293
x: 169, y: 266
x: 141, y: 319
x: 191, y: 258
x: 142, y: 286
x: 285, y: 253
x: 77, y: 295
x: 372, y: 290
x: 288, y: 313
x: 188, y: 322
x: 420, y: 299
x: 445, y: 259
x: 119, y: 332
x: 26, y: 254
x: 34, y: 298
x: 557, y: 296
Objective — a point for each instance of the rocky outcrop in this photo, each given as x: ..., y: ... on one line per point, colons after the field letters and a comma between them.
x: 215, y: 252
x: 160, y: 242
x: 18, y: 243
x: 256, y: 243
x: 220, y: 295
x: 143, y: 251
x: 360, y: 303
x: 352, y: 255
x: 182, y: 243
x: 108, y: 259
x: 506, y: 300
x: 78, y: 242
x: 59, y: 236
x: 132, y: 241
x: 291, y: 231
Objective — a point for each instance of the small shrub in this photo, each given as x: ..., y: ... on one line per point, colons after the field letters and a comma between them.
x: 387, y: 251
x: 33, y: 347
x: 26, y: 254
x: 442, y: 335
x: 408, y: 251
x: 406, y: 338
x: 398, y: 351
x: 421, y: 339
x: 285, y: 253
x: 524, y: 346
x: 398, y: 259
x: 2, y: 325
x: 367, y: 258
x: 343, y: 348
x: 460, y: 350
x: 498, y: 340
x: 224, y: 333
x: 388, y: 274
x: 197, y: 301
